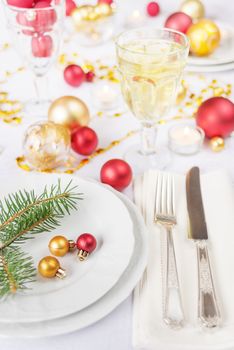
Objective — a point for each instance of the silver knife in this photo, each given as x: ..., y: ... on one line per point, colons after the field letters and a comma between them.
x: 208, y: 309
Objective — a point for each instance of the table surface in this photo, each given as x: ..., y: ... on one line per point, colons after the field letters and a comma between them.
x: 114, y: 331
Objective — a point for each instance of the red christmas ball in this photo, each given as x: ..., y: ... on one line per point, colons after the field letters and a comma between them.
x: 86, y: 242
x: 42, y: 46
x: 74, y: 75
x: 116, y: 173
x: 108, y: 2
x: 216, y: 117
x: 90, y: 76
x: 44, y: 19
x: 21, y: 3
x: 70, y: 6
x: 153, y: 9
x: 179, y: 21
x: 84, y: 140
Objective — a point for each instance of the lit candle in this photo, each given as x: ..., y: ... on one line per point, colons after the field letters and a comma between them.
x: 105, y: 96
x: 135, y: 19
x: 185, y: 139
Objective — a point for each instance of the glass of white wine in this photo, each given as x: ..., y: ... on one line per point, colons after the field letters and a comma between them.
x: 151, y: 63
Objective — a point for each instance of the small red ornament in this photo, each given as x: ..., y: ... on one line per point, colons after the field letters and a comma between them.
x: 42, y: 46
x: 116, y: 173
x: 216, y: 117
x: 108, y: 2
x: 179, y: 21
x: 70, y: 6
x: 86, y: 243
x: 153, y: 9
x: 21, y: 3
x: 90, y: 76
x: 44, y: 19
x: 84, y: 140
x: 74, y: 75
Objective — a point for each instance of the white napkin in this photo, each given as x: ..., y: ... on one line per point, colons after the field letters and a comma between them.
x: 149, y: 331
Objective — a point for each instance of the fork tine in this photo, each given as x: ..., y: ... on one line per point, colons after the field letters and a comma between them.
x: 168, y: 185
x: 173, y: 196
x: 164, y: 194
x: 158, y: 206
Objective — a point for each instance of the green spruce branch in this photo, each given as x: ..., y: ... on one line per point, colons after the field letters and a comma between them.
x: 23, y: 215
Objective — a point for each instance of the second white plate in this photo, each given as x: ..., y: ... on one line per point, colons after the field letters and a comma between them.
x: 101, y: 213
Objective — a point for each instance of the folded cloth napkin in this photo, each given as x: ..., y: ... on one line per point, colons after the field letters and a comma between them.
x: 149, y: 331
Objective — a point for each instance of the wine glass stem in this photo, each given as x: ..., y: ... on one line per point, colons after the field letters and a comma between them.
x: 148, y: 138
x: 41, y: 88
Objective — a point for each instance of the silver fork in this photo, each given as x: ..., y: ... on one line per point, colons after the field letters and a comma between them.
x: 164, y: 215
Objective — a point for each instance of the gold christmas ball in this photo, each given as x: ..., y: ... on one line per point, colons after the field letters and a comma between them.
x: 69, y: 111
x: 194, y: 8
x: 77, y: 17
x: 47, y: 145
x: 59, y: 245
x: 204, y: 37
x: 103, y: 10
x: 182, y: 92
x: 217, y: 144
x: 50, y: 267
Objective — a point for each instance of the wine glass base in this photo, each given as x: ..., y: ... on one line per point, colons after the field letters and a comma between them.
x: 140, y: 162
x: 34, y: 108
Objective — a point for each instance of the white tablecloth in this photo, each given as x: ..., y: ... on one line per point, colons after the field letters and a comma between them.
x: 114, y: 332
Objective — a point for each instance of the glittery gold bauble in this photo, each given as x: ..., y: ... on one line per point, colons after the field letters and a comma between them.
x: 50, y: 267
x: 217, y: 144
x: 103, y: 9
x: 69, y: 111
x: 182, y: 92
x: 60, y: 245
x: 204, y: 37
x: 46, y: 145
x: 194, y: 8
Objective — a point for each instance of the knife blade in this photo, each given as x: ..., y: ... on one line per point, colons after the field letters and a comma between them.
x: 208, y: 309
x: 198, y: 229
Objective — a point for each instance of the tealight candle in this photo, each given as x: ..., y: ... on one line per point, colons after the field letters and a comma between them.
x: 105, y: 95
x: 135, y: 19
x: 185, y: 139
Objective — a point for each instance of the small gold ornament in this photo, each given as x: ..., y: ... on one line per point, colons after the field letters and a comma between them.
x: 182, y: 92
x: 69, y: 111
x: 60, y: 245
x: 46, y: 145
x: 194, y: 8
x: 103, y: 10
x: 50, y: 267
x: 204, y: 37
x: 217, y: 144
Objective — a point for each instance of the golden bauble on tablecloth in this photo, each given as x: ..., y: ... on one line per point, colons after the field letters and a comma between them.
x: 193, y: 8
x: 46, y: 145
x: 69, y: 111
x: 204, y: 37
x: 217, y: 144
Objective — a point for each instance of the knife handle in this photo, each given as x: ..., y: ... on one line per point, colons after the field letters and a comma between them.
x: 173, y: 314
x: 208, y: 310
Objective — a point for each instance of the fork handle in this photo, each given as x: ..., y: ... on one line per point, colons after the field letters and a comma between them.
x: 208, y: 310
x: 173, y: 314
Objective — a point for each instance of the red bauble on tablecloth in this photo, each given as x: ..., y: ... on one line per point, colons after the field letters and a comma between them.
x: 84, y: 140
x: 74, y: 75
x: 70, y: 6
x: 216, y: 117
x: 179, y: 21
x: 153, y: 9
x: 21, y: 3
x: 116, y: 173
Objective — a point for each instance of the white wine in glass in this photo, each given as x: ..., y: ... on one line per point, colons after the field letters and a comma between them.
x: 151, y: 63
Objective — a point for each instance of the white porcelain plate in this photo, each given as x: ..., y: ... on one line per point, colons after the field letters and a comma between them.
x: 101, y: 213
x: 105, y: 304
x: 223, y: 54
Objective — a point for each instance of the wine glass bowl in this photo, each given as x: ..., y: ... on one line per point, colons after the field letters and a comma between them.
x: 36, y: 33
x: 151, y: 63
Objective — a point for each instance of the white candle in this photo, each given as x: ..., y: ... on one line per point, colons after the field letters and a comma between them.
x: 135, y: 19
x: 185, y: 139
x: 105, y: 96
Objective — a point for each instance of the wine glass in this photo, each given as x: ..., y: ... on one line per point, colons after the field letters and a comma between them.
x: 36, y: 33
x: 151, y: 63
